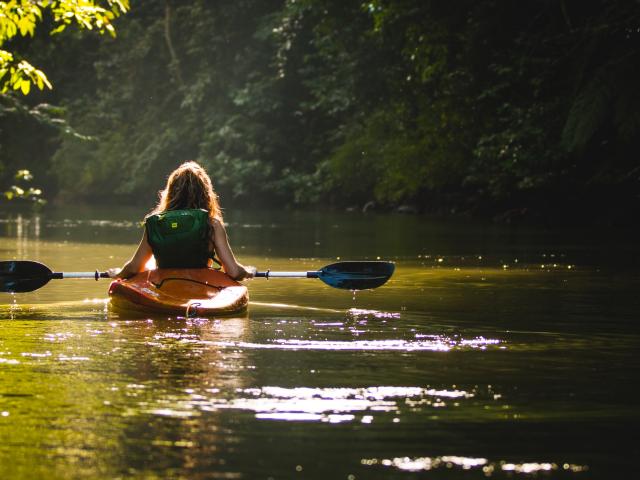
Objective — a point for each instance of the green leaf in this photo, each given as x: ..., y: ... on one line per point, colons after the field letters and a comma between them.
x: 24, y: 175
x: 26, y: 87
x: 42, y: 77
x: 17, y: 191
x: 59, y: 29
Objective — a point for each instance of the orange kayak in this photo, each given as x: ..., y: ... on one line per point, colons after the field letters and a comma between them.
x: 188, y: 292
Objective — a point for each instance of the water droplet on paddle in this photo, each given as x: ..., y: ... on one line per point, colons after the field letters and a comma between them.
x: 14, y: 305
x: 354, y: 294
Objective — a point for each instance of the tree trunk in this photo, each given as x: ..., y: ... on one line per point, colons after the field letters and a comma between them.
x: 174, y: 66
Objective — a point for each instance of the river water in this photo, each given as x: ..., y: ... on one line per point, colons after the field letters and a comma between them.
x: 493, y: 352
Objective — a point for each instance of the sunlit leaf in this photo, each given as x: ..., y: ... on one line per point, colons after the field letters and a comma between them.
x: 59, y: 29
x: 26, y: 87
x: 24, y: 175
x: 41, y: 76
x: 17, y: 190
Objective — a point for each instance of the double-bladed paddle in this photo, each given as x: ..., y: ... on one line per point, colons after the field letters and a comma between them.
x: 346, y: 275
x: 17, y: 276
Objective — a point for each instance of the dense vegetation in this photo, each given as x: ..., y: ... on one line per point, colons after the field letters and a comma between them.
x: 520, y: 109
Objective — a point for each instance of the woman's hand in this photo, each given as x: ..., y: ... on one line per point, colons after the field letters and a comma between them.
x: 250, y: 272
x: 114, y: 272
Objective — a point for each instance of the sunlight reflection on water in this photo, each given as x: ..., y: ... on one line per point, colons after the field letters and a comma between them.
x: 311, y: 404
x: 434, y: 343
x: 468, y: 463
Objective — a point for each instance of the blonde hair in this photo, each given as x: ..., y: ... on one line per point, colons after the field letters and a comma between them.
x: 189, y: 186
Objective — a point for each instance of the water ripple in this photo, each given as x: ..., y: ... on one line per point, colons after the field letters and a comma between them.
x: 329, y: 405
x: 423, y: 342
x: 467, y: 463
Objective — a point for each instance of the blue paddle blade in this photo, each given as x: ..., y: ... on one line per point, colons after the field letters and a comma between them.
x: 356, y: 275
x: 23, y: 276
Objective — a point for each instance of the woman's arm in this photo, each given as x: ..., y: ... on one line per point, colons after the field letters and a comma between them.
x: 137, y: 263
x: 231, y: 266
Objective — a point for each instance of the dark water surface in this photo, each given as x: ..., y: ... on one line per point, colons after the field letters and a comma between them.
x: 493, y: 352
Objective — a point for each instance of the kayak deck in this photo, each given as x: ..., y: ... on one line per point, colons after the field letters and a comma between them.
x: 188, y: 292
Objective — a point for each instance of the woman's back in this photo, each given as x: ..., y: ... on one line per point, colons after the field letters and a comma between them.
x: 185, y: 227
x: 180, y: 238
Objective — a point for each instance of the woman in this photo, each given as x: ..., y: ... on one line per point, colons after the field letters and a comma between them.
x: 185, y: 229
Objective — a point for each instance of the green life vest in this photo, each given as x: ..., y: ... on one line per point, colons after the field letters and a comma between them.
x: 180, y: 238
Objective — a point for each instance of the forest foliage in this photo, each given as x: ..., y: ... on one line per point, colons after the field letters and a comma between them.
x: 20, y: 18
x: 485, y: 107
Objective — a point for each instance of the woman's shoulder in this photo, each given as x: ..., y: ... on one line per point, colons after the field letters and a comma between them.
x: 217, y: 224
